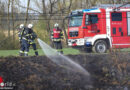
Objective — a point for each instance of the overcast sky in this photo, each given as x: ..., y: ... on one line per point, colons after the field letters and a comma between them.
x: 24, y: 3
x: 32, y: 4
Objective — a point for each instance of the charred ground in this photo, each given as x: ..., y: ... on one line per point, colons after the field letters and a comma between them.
x: 108, y: 72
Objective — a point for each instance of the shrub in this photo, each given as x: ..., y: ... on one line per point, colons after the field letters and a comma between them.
x: 7, y: 43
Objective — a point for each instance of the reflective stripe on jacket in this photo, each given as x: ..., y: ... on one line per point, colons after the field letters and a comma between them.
x: 56, y: 39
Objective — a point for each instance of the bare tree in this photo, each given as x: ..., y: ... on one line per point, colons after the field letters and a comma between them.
x: 26, y: 18
x: 47, y: 16
x: 8, y: 18
x: 12, y: 14
x: 63, y: 19
x: 56, y: 9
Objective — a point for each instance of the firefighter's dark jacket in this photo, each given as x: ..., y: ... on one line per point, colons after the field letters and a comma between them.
x: 27, y: 34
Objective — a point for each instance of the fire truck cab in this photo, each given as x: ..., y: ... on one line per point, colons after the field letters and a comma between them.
x: 101, y: 28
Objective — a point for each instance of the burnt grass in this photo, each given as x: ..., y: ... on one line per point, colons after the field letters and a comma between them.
x: 107, y: 72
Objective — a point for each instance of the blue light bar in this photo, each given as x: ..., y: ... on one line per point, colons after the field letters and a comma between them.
x: 87, y: 10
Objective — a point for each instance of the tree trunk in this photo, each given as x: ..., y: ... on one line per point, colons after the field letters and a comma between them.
x: 12, y: 11
x: 81, y: 4
x: 8, y: 19
x: 63, y: 26
x: 26, y: 18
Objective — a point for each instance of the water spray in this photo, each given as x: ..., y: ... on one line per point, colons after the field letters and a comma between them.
x: 61, y: 60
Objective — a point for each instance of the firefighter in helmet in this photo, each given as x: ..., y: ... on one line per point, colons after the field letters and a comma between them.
x: 20, y: 30
x: 56, y: 37
x: 23, y: 38
x: 32, y: 37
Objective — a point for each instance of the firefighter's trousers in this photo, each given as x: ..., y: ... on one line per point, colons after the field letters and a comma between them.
x: 58, y: 46
x: 34, y: 48
x: 24, y: 47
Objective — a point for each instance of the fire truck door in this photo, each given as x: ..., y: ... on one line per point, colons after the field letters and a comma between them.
x: 119, y: 29
x: 92, y: 24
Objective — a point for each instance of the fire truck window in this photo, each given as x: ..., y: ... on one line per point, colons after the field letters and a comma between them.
x: 116, y: 16
x: 75, y: 21
x: 114, y: 30
x: 120, y: 29
x: 93, y: 19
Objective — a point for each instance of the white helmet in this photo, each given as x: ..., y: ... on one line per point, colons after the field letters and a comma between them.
x: 21, y: 26
x: 30, y: 25
x: 56, y: 25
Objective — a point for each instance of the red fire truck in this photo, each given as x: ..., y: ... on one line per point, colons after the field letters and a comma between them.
x: 99, y: 29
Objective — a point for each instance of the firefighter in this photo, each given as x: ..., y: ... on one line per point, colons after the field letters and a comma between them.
x: 23, y: 38
x: 20, y: 30
x: 56, y: 37
x: 32, y: 37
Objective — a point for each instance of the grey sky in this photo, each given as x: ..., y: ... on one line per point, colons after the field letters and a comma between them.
x: 32, y: 4
x: 24, y: 3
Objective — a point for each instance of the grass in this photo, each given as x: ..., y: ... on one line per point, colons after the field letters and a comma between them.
x: 125, y: 50
x: 5, y: 53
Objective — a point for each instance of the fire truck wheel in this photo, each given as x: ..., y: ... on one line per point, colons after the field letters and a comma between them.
x: 100, y: 46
